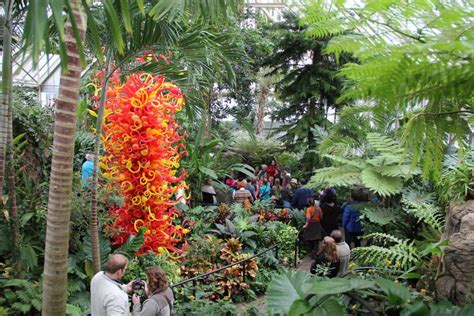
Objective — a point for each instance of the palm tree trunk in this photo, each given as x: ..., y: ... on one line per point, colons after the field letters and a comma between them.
x: 60, y: 186
x: 261, y: 107
x: 7, y: 88
x: 6, y: 91
x: 95, y: 176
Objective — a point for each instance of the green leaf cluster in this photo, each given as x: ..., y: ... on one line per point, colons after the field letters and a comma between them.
x: 383, y: 170
x: 414, y: 63
x: 297, y: 293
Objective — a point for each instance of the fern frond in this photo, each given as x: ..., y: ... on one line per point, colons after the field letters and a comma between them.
x: 385, y: 160
x: 384, y: 144
x: 383, y: 185
x: 405, y: 171
x: 335, y: 177
x: 357, y: 163
x: 428, y: 214
x: 384, y: 238
x: 402, y: 251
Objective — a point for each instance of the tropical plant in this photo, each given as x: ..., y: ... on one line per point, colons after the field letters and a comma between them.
x: 206, y: 160
x: 285, y: 240
x: 7, y: 152
x: 20, y: 296
x: 407, y: 244
x: 308, y: 86
x: 456, y: 179
x: 412, y: 61
x: 382, y: 169
x: 200, y: 305
x: 296, y: 293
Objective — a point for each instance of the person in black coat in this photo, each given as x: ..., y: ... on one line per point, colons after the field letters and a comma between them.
x: 331, y: 211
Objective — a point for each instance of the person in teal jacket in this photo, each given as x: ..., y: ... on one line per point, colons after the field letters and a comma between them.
x: 87, y: 170
x: 265, y: 191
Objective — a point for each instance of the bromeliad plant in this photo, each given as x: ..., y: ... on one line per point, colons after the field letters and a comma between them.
x: 143, y: 147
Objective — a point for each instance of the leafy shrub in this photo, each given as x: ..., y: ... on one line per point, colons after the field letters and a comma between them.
x: 20, y: 296
x: 138, y: 265
x: 201, y: 306
x: 286, y: 236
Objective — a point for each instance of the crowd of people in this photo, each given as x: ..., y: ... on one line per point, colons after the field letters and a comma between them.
x: 327, y: 221
x: 269, y: 183
x: 323, y: 232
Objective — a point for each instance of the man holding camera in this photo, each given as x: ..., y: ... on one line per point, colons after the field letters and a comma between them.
x: 108, y: 295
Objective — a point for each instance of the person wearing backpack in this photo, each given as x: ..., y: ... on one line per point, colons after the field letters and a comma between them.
x: 313, y: 231
x: 160, y: 296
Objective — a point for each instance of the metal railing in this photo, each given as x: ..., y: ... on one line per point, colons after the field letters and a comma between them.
x: 202, y: 276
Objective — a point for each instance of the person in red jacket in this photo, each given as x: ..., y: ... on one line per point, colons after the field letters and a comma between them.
x: 273, y: 169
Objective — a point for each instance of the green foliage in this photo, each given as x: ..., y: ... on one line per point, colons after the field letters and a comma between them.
x: 308, y: 86
x: 412, y: 63
x: 36, y: 121
x: 20, y: 296
x: 238, y: 97
x: 380, y: 216
x: 296, y: 293
x: 285, y: 289
x: 206, y: 159
x: 256, y: 152
x: 83, y: 144
x: 456, y: 179
x: 425, y: 212
x: 285, y: 239
x: 202, y: 306
x: 382, y: 171
x: 138, y: 265
x: 396, y: 250
x: 134, y: 242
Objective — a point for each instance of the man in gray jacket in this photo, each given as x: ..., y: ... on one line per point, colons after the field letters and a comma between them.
x: 343, y: 252
x: 108, y: 295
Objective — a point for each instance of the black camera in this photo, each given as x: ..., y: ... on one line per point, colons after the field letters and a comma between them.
x: 138, y: 285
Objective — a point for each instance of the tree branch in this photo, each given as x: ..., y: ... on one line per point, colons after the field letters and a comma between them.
x: 416, y: 38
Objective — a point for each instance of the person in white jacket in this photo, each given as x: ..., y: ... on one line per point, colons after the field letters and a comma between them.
x: 108, y: 295
x: 343, y: 252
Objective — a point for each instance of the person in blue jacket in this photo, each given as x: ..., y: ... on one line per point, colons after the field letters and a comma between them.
x: 87, y: 169
x: 351, y: 217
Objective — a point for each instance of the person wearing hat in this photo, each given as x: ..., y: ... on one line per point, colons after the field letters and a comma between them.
x: 242, y: 194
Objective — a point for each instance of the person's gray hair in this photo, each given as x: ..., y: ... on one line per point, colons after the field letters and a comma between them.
x: 336, y: 235
x: 90, y: 157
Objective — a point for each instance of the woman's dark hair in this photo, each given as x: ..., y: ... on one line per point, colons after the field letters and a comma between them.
x: 310, y: 202
x: 360, y: 195
x: 157, y: 280
x: 330, y: 196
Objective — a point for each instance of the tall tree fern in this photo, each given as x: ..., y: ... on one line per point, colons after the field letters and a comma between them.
x: 415, y: 58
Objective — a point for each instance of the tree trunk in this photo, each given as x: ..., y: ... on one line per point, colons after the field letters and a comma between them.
x: 60, y: 186
x: 95, y: 176
x: 7, y: 89
x: 261, y: 107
